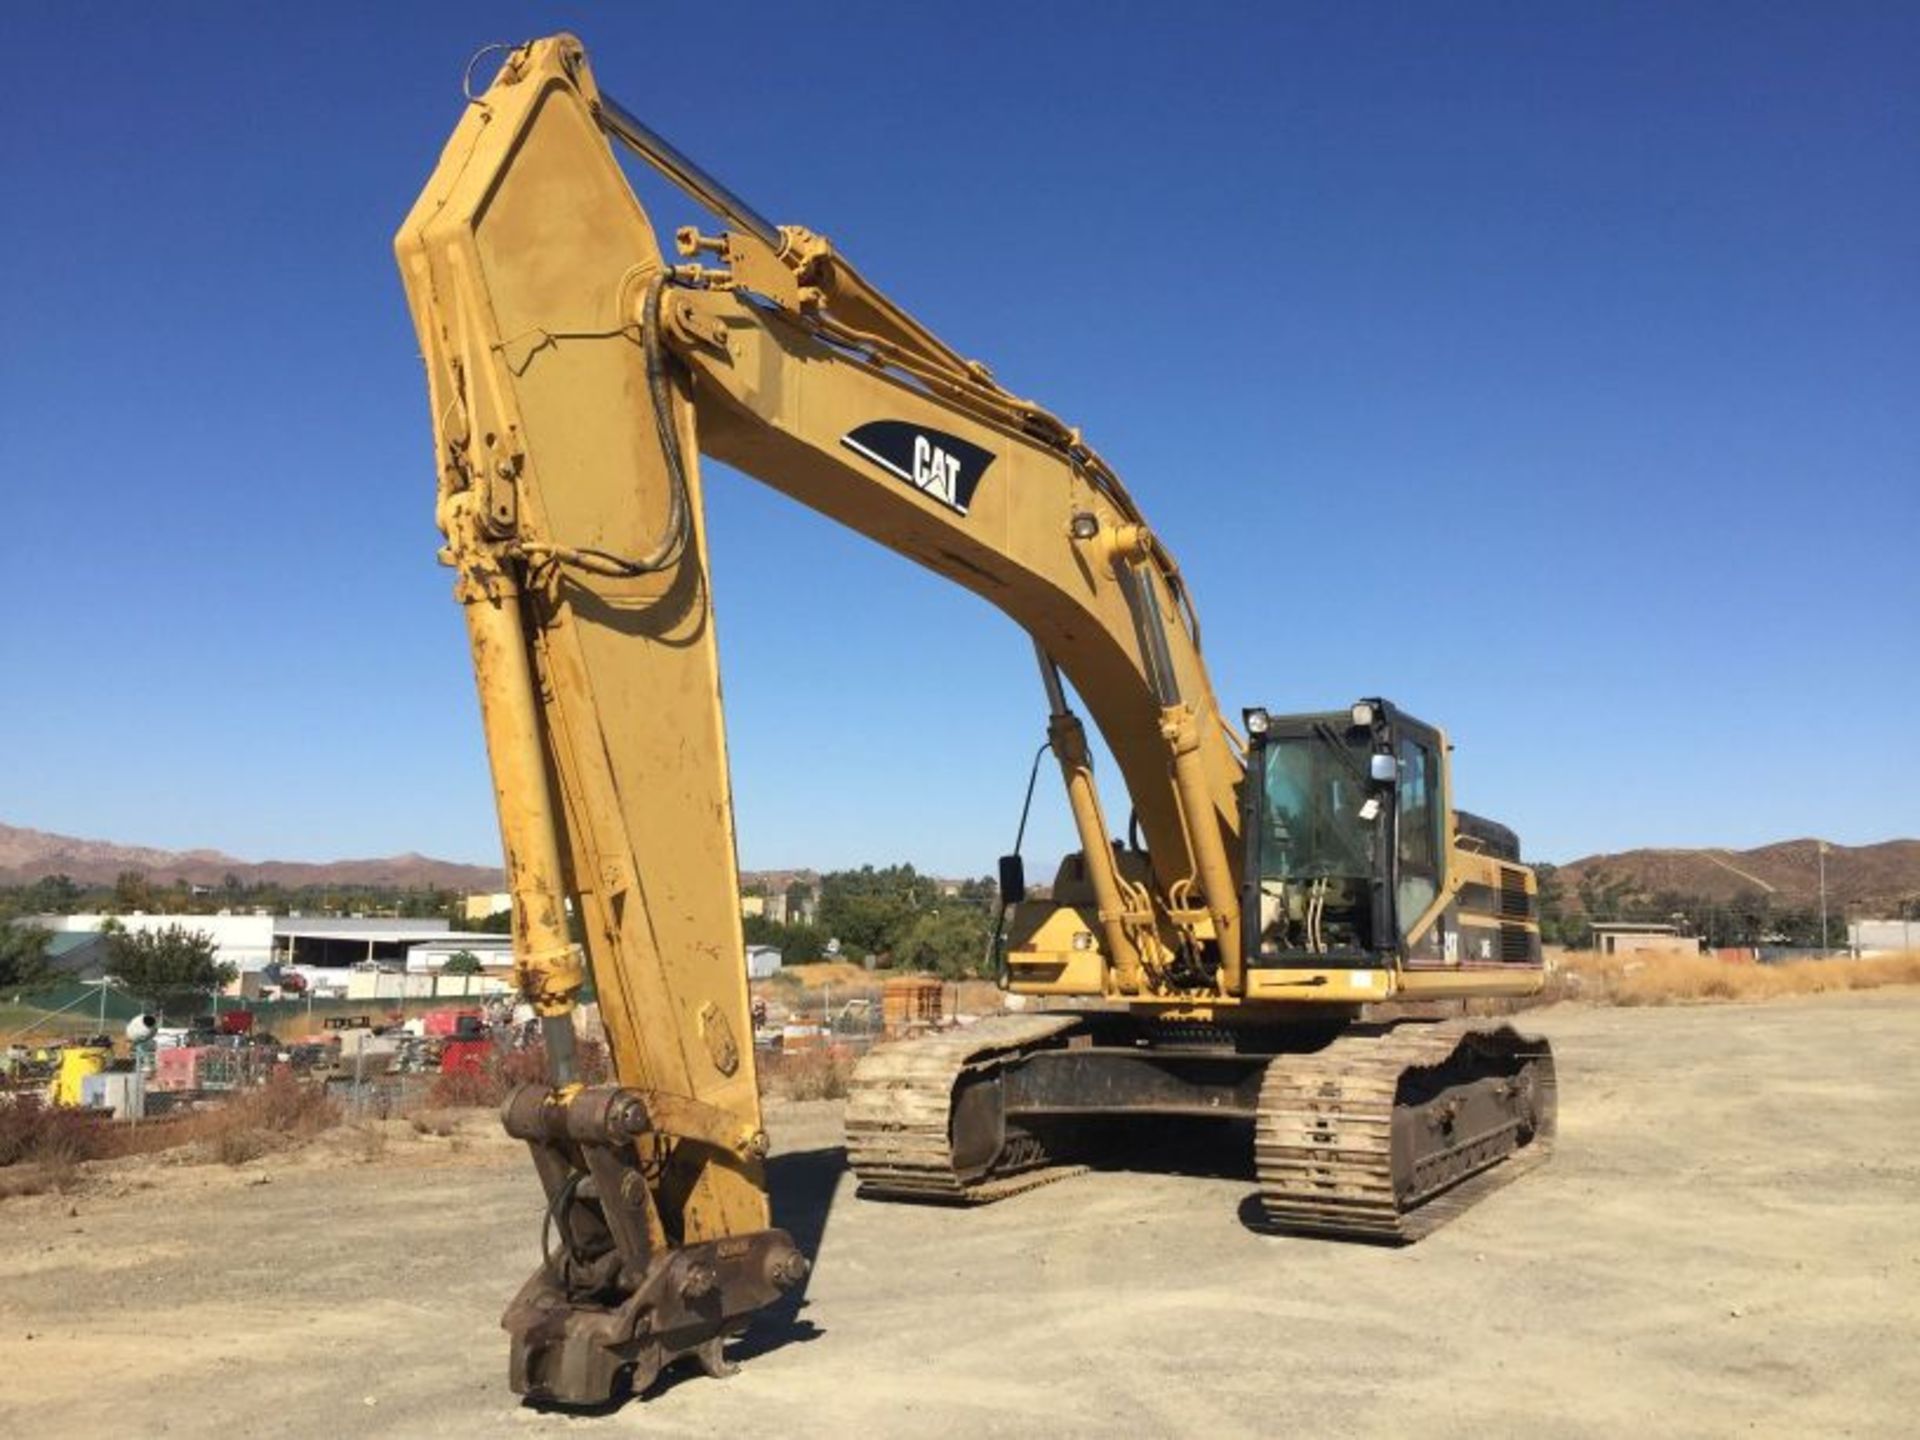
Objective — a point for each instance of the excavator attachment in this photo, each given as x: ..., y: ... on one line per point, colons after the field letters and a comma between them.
x: 569, y: 496
x: 612, y: 1303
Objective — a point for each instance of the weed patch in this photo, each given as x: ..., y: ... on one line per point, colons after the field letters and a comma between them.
x: 1679, y: 979
x: 807, y: 1075
x: 488, y: 1085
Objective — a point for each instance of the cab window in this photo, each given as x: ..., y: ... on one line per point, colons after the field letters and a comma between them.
x: 1419, y: 827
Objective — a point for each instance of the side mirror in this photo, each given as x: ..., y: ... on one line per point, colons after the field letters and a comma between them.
x: 1013, y: 880
x: 1384, y: 769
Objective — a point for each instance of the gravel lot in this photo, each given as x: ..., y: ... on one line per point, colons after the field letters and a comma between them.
x: 1725, y: 1243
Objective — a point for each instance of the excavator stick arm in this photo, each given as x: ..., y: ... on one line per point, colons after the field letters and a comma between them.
x: 570, y: 501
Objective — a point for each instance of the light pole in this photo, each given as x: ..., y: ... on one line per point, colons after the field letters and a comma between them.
x: 1824, y: 951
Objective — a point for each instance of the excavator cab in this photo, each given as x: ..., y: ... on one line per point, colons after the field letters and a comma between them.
x: 1345, y: 829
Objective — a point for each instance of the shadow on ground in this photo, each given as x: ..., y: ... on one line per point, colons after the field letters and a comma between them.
x: 802, y: 1185
x: 1213, y: 1149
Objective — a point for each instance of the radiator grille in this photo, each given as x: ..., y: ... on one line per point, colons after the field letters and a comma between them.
x: 1515, y: 903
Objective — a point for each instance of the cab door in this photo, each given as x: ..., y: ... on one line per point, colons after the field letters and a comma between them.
x: 1419, y: 822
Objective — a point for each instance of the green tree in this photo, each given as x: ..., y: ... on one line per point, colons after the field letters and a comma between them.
x: 869, y: 909
x: 461, y: 962
x: 1560, y: 923
x: 23, y: 957
x: 420, y: 904
x: 759, y: 930
x: 950, y: 941
x: 132, y: 892
x: 53, y: 895
x: 797, y: 944
x: 173, y: 965
x: 802, y: 944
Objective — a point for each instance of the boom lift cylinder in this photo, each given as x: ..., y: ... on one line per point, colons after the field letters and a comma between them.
x: 1069, y: 740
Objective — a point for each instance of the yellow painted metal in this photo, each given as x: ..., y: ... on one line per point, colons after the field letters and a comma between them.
x: 1053, y: 948
x: 547, y: 967
x: 1323, y: 985
x: 1180, y: 727
x: 1126, y: 926
x: 1468, y: 982
x: 526, y: 261
x: 77, y: 1062
x: 775, y: 401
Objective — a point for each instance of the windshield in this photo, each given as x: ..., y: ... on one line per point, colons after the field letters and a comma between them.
x: 1310, y: 821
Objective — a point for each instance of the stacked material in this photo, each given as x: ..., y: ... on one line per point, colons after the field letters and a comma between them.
x: 912, y: 1003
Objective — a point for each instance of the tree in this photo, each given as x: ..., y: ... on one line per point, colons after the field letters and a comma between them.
x: 132, y: 892
x: 868, y: 909
x: 23, y: 957
x: 1558, y: 924
x: 461, y: 962
x: 950, y: 941
x: 426, y: 903
x: 797, y: 944
x: 159, y: 966
x: 53, y: 895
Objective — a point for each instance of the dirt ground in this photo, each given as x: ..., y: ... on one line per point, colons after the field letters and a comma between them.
x: 1724, y: 1244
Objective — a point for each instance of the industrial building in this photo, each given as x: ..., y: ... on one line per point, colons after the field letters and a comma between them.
x: 494, y: 952
x: 323, y: 949
x: 1882, y: 937
x: 485, y: 905
x: 356, y: 956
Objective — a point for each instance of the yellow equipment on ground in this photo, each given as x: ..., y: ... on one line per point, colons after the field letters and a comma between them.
x: 78, y: 1060
x: 1285, y: 885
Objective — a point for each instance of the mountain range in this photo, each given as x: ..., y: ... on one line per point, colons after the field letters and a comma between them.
x: 1868, y: 879
x: 29, y: 855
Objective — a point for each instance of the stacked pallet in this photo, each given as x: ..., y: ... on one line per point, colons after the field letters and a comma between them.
x: 911, y: 1004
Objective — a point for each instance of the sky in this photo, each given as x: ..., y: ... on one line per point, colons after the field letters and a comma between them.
x: 1551, y: 373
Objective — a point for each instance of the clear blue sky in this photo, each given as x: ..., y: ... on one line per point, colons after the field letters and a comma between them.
x: 1553, y: 374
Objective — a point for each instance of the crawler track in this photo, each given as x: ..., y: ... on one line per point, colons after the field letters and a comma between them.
x: 906, y: 1135
x: 1387, y: 1134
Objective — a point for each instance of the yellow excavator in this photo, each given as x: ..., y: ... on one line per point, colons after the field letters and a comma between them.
x: 1282, y: 937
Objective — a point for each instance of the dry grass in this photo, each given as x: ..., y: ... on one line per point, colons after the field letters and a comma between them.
x: 45, y: 1147
x: 42, y: 1146
x: 1678, y: 979
x: 506, y: 1070
x: 370, y: 1142
x: 807, y: 1074
x: 842, y: 974
x: 272, y: 1116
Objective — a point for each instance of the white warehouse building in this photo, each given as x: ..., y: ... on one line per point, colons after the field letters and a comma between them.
x: 315, y: 946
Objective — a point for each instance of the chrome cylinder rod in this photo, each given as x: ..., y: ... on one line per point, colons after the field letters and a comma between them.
x: 661, y: 153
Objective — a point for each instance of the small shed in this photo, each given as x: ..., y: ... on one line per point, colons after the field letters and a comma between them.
x: 1634, y: 937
